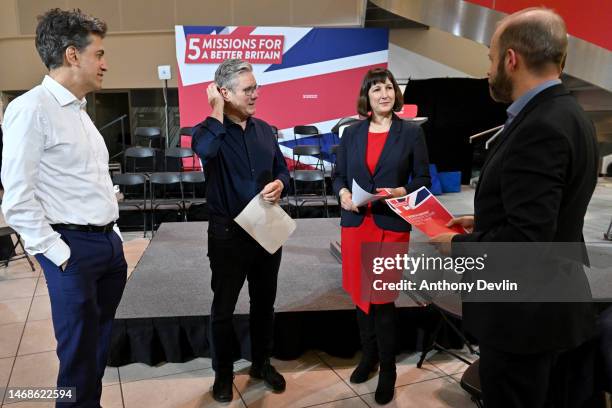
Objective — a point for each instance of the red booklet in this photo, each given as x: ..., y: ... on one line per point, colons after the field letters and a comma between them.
x: 423, y: 211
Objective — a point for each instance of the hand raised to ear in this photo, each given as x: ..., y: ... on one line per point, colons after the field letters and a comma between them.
x: 216, y: 101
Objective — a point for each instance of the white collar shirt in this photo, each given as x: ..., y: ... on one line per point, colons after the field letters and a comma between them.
x: 54, y: 169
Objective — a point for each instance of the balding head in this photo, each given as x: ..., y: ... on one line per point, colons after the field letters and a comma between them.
x: 538, y: 35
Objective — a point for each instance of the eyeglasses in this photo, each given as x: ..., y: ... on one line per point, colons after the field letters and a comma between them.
x: 251, y: 89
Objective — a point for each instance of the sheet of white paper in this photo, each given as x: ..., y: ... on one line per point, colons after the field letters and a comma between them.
x: 267, y: 223
x: 362, y: 197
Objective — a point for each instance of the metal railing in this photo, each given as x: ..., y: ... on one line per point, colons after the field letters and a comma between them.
x: 111, y: 123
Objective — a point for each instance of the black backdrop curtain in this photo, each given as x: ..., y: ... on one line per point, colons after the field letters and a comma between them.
x: 457, y: 108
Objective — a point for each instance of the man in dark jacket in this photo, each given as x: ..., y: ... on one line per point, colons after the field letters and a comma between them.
x: 534, y: 187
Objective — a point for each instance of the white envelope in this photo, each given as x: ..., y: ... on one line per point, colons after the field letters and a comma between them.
x: 267, y: 223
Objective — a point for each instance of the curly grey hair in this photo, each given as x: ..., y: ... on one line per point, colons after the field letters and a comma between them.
x: 59, y: 29
x: 227, y: 73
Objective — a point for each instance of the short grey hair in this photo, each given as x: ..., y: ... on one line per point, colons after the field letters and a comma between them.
x: 59, y: 29
x: 538, y: 34
x: 227, y: 73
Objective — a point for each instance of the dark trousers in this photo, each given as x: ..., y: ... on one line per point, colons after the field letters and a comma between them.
x: 84, y: 298
x: 377, y: 334
x: 605, y: 324
x: 540, y: 380
x: 234, y: 257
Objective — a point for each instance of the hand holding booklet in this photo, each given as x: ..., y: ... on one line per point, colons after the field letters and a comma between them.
x: 362, y: 197
x: 267, y: 223
x: 423, y: 211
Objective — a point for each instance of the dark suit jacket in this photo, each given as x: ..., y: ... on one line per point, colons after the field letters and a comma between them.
x: 403, y: 162
x: 535, y: 187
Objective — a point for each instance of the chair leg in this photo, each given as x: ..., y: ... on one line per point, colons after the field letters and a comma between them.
x: 459, y: 333
x: 144, y: 222
x: 295, y: 194
x: 27, y: 257
x: 477, y: 402
x: 152, y: 219
x: 608, y: 234
x: 25, y: 254
x: 431, y: 342
x: 325, y: 197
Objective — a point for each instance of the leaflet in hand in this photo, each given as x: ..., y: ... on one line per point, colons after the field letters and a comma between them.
x: 423, y: 211
x: 362, y: 197
x: 267, y: 223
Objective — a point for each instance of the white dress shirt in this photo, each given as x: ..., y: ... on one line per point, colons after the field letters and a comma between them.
x: 54, y: 169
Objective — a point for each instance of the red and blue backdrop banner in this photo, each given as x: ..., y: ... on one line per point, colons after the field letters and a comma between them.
x: 308, y: 76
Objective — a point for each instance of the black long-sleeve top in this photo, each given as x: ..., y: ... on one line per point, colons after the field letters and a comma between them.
x: 237, y: 163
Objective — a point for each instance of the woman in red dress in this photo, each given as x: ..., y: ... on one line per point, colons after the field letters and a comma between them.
x: 380, y: 152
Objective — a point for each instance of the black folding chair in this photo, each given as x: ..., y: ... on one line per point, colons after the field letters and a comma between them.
x: 133, y: 180
x: 192, y: 179
x: 333, y: 150
x: 343, y: 123
x: 307, y: 150
x: 179, y: 153
x: 7, y: 231
x: 313, y: 183
x: 306, y: 130
x: 149, y: 134
x: 164, y: 180
x: 470, y: 382
x: 188, y: 132
x: 447, y: 306
x: 274, y: 131
x: 139, y: 154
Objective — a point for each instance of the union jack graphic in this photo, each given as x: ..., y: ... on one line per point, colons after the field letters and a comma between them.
x: 316, y: 83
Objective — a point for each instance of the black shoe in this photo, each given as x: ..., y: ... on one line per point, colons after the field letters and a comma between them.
x: 386, y: 387
x: 270, y: 376
x: 363, y: 370
x: 222, y: 388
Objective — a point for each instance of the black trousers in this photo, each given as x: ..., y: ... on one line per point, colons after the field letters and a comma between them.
x: 234, y: 257
x: 540, y: 380
x: 605, y: 324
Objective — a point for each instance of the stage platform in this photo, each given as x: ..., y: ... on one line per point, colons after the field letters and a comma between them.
x: 163, y: 315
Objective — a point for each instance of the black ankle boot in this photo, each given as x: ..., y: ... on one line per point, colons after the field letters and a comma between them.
x: 386, y: 386
x: 367, y: 365
x: 222, y: 388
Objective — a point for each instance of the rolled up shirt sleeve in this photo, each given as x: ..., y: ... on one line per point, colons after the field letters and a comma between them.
x: 24, y: 143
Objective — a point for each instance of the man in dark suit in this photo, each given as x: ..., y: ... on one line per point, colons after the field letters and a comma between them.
x: 534, y: 187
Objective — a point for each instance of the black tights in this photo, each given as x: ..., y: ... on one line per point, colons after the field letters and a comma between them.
x: 377, y: 333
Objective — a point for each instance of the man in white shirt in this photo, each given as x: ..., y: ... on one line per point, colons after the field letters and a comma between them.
x: 59, y: 197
